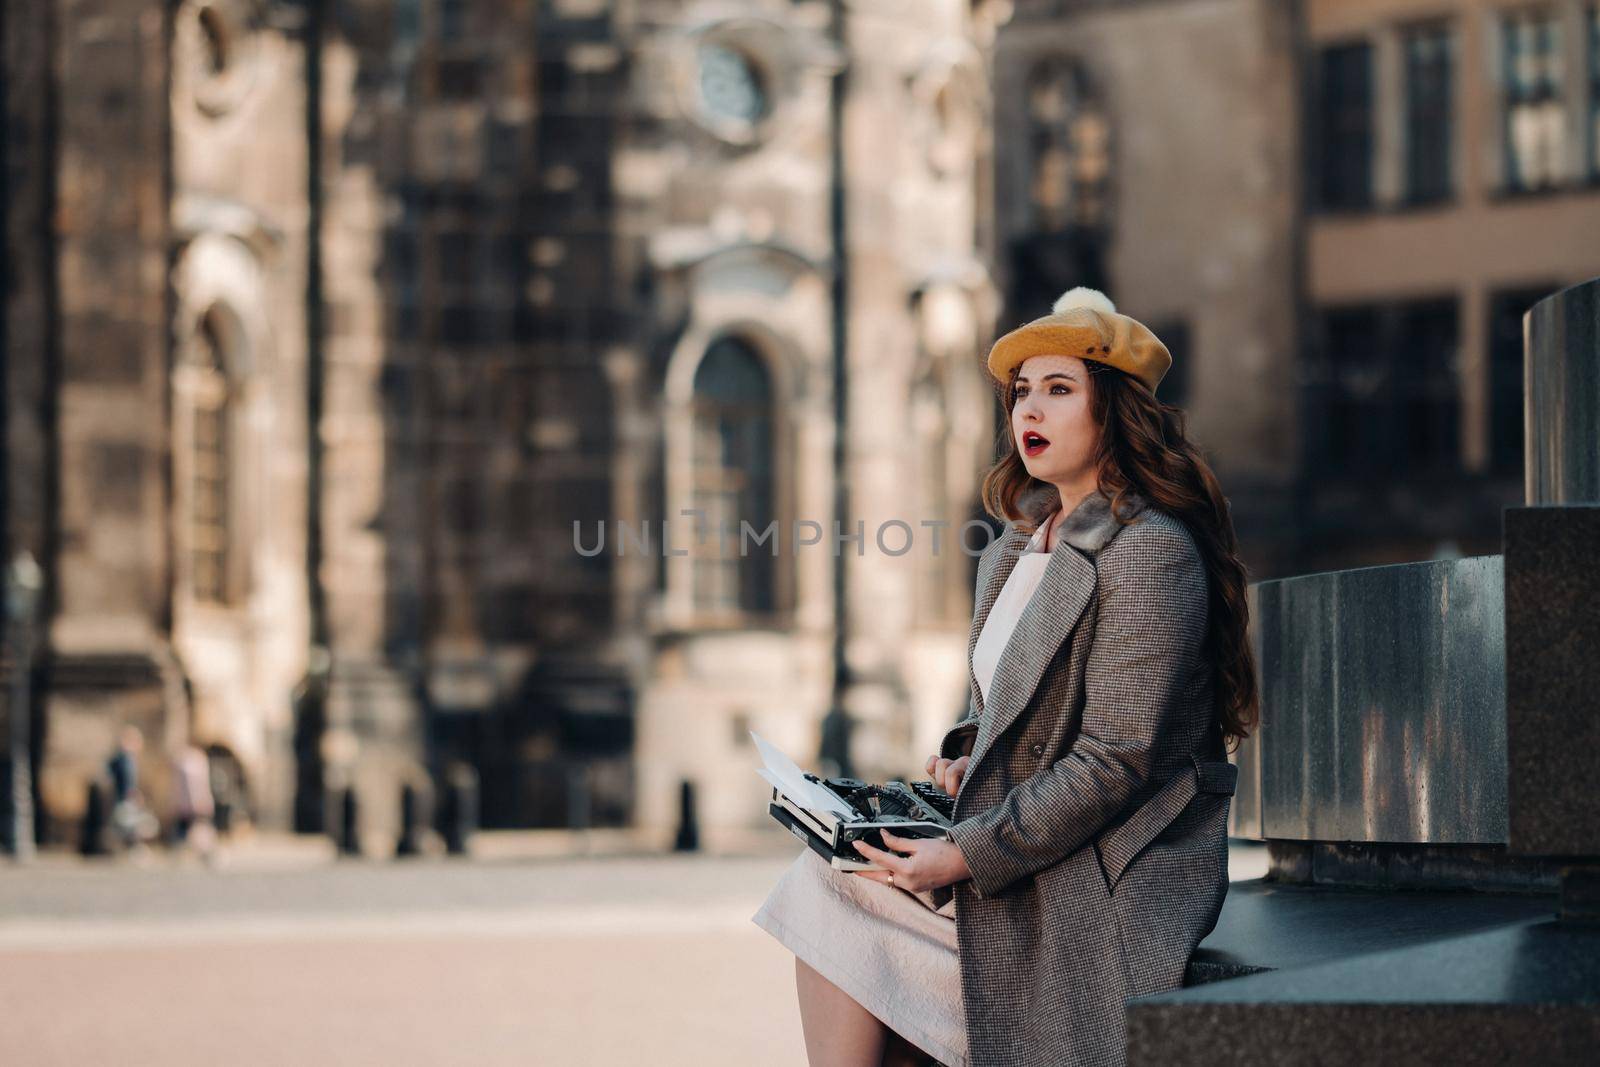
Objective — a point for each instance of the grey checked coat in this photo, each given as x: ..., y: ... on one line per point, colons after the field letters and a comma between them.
x: 1093, y: 814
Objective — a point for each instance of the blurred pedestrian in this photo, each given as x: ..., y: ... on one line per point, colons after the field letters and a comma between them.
x: 131, y: 821
x: 226, y: 795
x: 195, y: 807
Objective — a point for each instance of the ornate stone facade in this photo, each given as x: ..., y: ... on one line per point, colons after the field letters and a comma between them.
x: 336, y: 331
x: 357, y: 314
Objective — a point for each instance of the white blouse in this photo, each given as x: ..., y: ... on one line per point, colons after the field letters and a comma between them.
x: 1008, y: 607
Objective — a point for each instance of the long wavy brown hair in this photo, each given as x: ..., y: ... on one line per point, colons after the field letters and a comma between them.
x: 1143, y: 446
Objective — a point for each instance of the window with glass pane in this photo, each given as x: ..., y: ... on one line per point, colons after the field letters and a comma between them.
x: 1346, y: 392
x: 1426, y: 361
x: 452, y: 19
x: 1070, y: 146
x: 1505, y: 375
x: 1429, y: 63
x: 1535, y: 135
x: 209, y: 462
x: 1342, y: 149
x: 1383, y: 393
x: 733, y: 480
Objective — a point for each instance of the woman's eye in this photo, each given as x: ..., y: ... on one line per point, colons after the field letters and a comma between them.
x: 1058, y: 389
x: 1018, y: 393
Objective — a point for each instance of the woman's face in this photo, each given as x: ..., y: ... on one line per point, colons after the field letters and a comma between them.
x: 1051, y: 422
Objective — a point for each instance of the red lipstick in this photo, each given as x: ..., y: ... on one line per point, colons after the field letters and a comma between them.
x: 1033, y: 443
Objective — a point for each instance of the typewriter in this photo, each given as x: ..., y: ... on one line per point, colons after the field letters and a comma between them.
x: 915, y: 809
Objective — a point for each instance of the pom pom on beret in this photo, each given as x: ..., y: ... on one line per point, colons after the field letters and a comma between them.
x: 1083, y: 297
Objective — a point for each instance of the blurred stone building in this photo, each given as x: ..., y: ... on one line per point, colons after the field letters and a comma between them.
x: 155, y: 380
x: 332, y: 329
x: 1453, y: 179
x: 803, y: 189
x: 1150, y: 149
x: 592, y: 265
x: 1335, y: 213
x: 337, y: 334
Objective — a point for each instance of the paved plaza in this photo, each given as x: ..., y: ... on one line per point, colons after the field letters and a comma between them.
x: 595, y: 960
x: 591, y: 961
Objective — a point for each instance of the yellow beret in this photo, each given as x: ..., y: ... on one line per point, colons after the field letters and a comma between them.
x: 1085, y: 323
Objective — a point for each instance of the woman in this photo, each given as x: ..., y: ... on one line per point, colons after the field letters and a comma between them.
x: 1110, y: 667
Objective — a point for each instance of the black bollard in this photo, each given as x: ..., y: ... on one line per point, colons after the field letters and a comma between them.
x: 459, y: 811
x: 688, y: 829
x: 410, y: 825
x: 349, y: 829
x: 93, y: 841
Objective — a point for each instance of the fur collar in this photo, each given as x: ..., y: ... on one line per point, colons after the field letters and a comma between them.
x: 1091, y: 524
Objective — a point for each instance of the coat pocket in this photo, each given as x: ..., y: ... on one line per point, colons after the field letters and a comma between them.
x: 1119, y: 846
x: 958, y: 739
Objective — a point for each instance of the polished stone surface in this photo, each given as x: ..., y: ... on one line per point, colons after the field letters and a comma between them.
x: 1552, y: 595
x: 1265, y: 926
x: 1383, y: 716
x: 1523, y: 993
x: 1562, y: 403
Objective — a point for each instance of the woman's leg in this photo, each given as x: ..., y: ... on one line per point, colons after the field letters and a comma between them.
x: 838, y: 1030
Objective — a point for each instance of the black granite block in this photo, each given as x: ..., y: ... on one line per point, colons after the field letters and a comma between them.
x: 1268, y: 926
x: 1525, y: 993
x: 1552, y: 602
x: 1342, y: 1035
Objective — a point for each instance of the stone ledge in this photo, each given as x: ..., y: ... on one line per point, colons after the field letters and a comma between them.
x: 1527, y: 992
x: 1269, y: 926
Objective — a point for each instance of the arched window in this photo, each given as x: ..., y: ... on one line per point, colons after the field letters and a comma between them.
x: 732, y: 464
x: 1067, y: 183
x: 1069, y: 136
x: 211, y: 456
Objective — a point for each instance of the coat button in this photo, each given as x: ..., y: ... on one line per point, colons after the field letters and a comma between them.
x: 1037, y: 750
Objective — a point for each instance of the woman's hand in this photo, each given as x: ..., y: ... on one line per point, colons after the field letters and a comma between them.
x: 932, y: 862
x: 947, y: 773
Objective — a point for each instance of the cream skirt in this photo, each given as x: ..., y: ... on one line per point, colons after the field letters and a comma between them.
x: 888, y: 949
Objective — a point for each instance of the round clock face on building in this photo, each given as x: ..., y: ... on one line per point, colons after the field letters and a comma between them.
x: 732, y: 88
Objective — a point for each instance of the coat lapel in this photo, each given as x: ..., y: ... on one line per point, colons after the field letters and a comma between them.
x: 1052, y: 612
